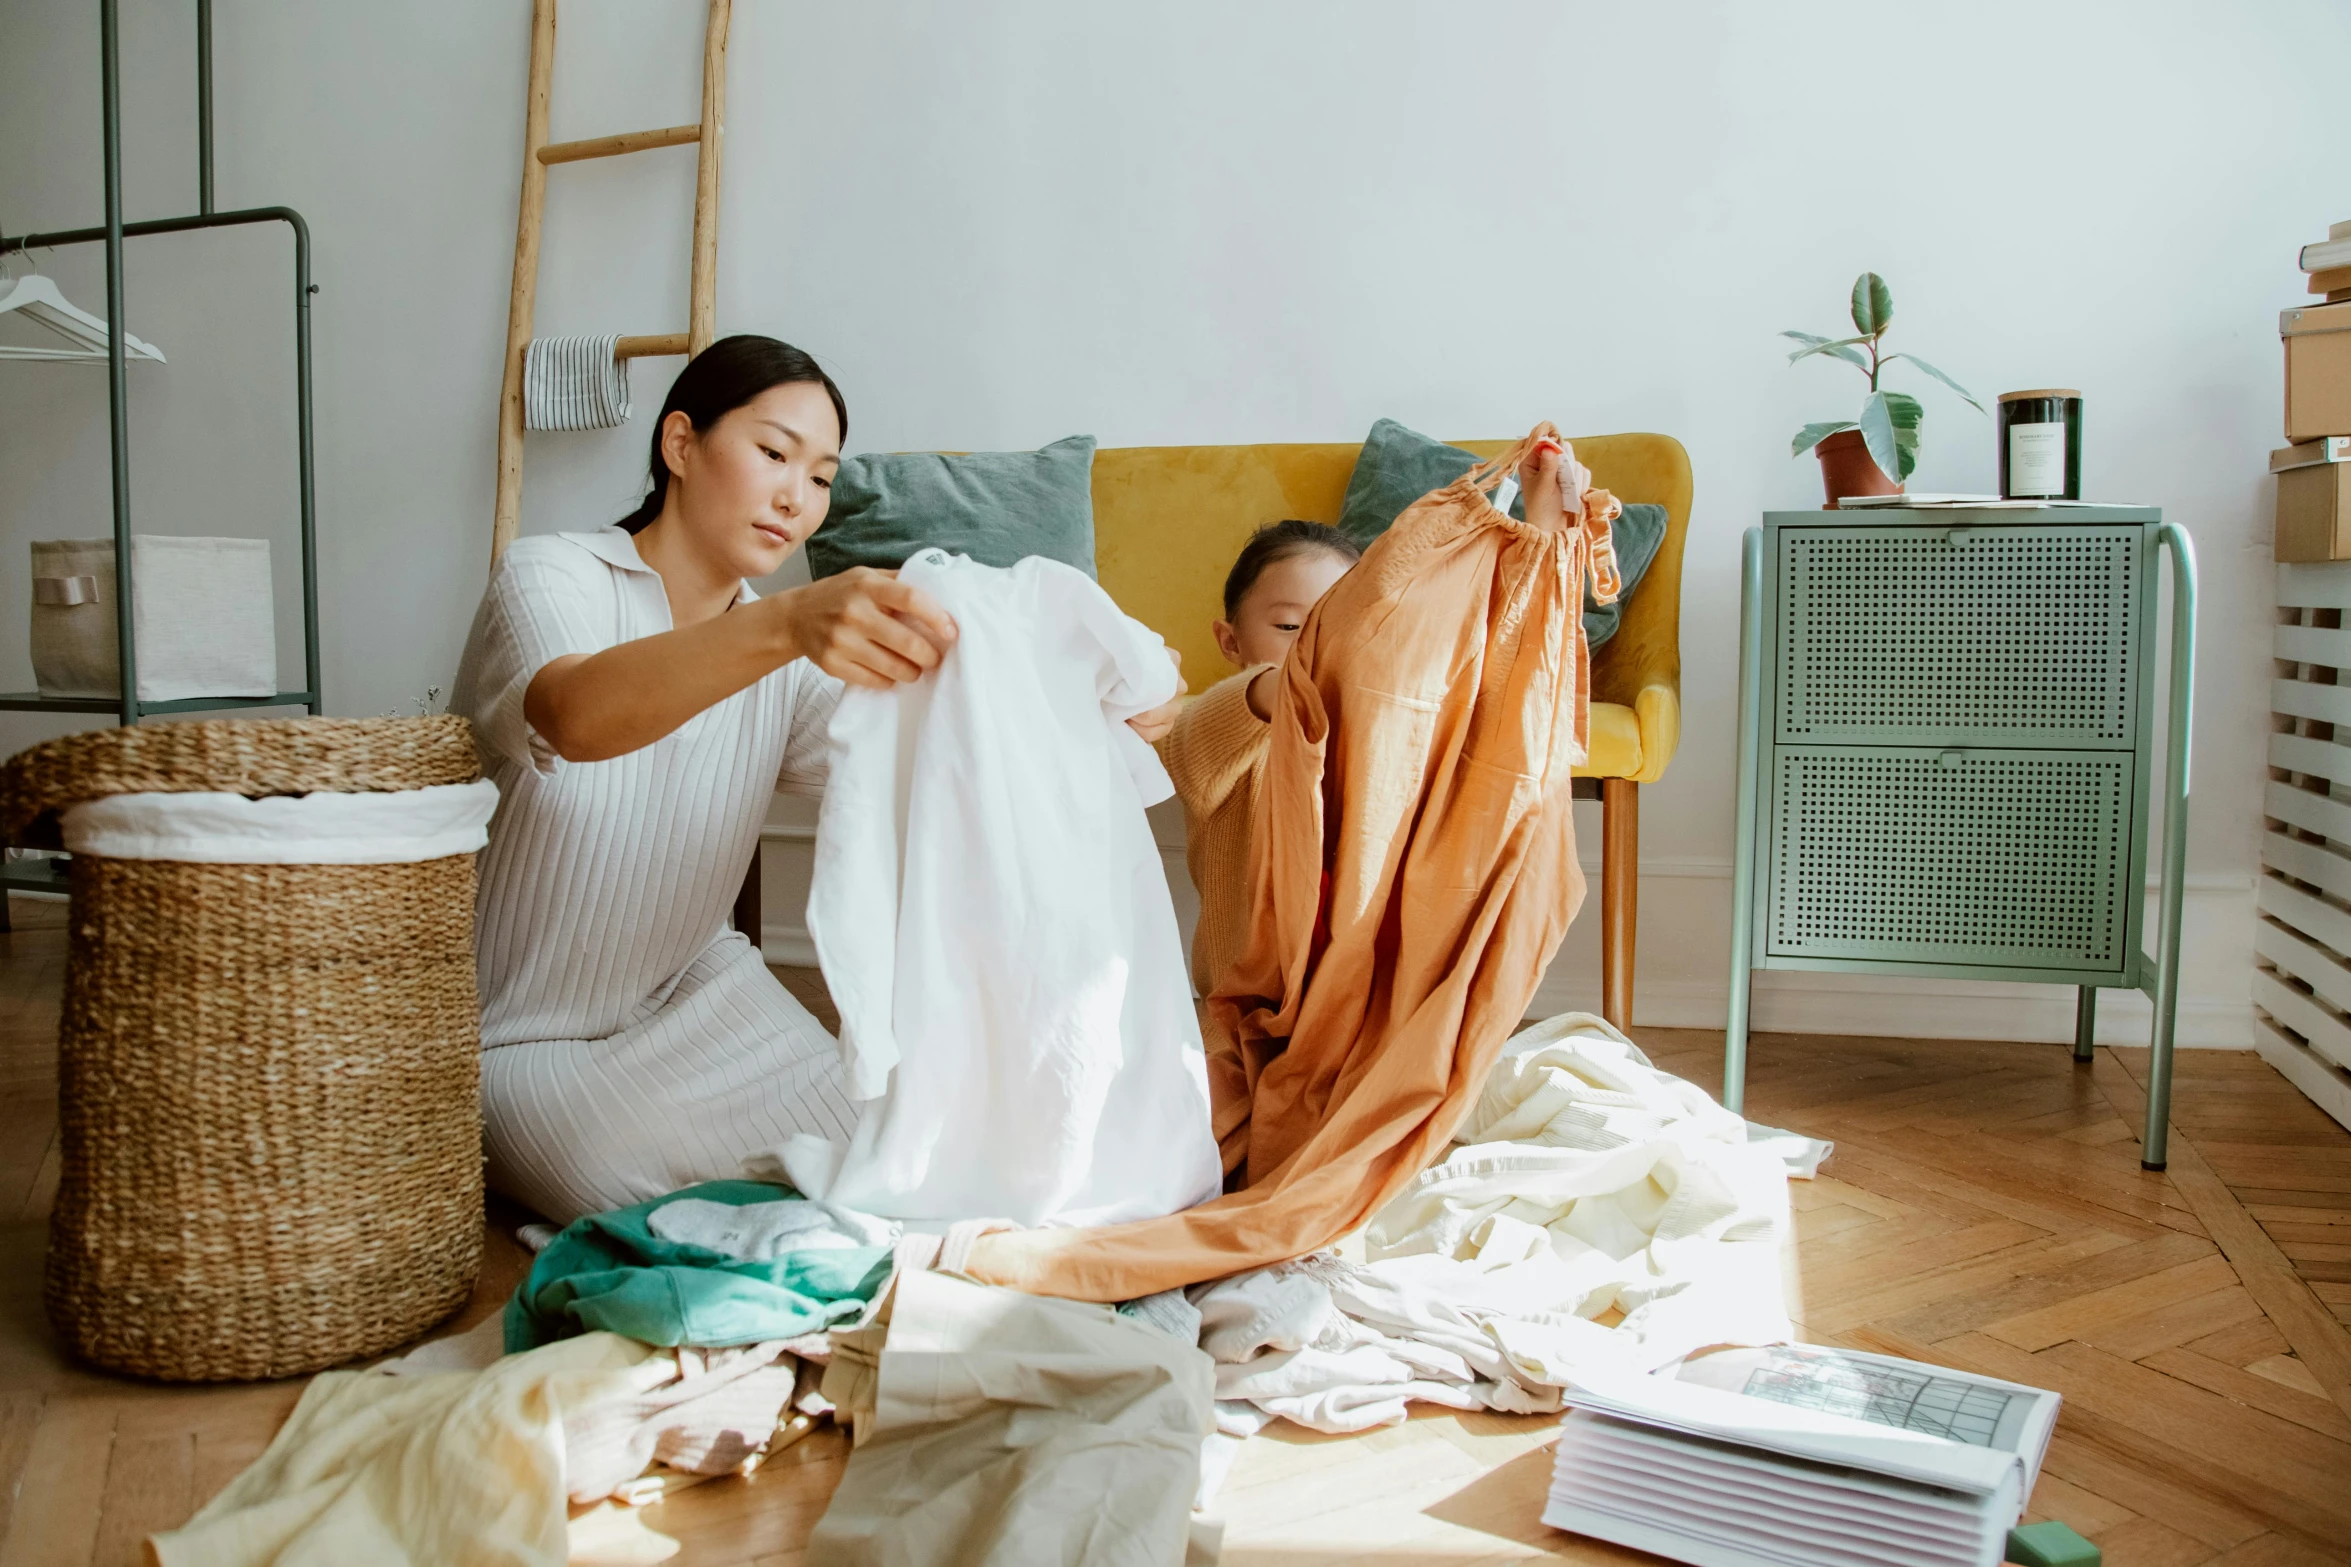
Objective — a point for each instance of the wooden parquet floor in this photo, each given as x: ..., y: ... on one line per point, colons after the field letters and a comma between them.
x: 1984, y: 1209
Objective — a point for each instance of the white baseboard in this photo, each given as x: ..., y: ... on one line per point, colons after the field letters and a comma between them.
x: 787, y: 946
x: 1791, y: 1002
x: 2326, y: 1085
x: 1788, y: 1002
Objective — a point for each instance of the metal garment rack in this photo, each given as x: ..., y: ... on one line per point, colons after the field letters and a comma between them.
x: 127, y: 708
x: 1946, y: 757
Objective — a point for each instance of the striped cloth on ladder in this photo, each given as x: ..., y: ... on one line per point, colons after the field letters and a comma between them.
x: 574, y: 383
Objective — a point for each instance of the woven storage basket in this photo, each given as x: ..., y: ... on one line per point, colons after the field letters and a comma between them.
x: 268, y: 1082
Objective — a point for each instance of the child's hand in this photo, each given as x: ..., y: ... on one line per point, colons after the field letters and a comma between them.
x: 1553, y: 482
x: 1152, y: 725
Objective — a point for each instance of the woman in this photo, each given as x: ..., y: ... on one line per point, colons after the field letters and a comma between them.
x: 637, y: 705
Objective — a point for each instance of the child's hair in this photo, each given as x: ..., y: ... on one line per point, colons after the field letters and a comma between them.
x: 1278, y: 541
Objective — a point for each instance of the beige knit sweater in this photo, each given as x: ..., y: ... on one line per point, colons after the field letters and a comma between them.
x: 1214, y: 753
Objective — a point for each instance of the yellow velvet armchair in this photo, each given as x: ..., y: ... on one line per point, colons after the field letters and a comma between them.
x: 1169, y: 519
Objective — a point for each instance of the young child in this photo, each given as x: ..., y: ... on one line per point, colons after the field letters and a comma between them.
x: 1218, y: 743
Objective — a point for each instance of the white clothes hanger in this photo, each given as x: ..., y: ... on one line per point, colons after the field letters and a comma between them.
x: 36, y: 298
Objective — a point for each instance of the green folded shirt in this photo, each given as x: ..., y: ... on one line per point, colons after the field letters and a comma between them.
x: 610, y: 1271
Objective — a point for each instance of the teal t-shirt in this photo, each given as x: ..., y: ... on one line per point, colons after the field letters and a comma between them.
x: 610, y: 1271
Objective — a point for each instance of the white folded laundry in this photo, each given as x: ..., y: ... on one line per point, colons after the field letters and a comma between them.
x: 1169, y: 1312
x: 1341, y: 1411
x: 1277, y: 1308
x: 392, y: 827
x: 758, y: 1231
x: 1291, y: 1373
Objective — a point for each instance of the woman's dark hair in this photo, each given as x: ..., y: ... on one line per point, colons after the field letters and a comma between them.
x: 716, y: 382
x: 1278, y: 541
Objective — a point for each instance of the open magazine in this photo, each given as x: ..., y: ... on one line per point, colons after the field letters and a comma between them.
x: 1792, y: 1455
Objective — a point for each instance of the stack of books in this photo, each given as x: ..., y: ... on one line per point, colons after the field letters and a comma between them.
x: 2329, y: 263
x: 1794, y: 1455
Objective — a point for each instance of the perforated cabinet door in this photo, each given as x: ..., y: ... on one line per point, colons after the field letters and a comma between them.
x: 1984, y: 636
x: 1999, y: 858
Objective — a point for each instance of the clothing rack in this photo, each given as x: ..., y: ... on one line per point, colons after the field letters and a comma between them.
x: 127, y: 708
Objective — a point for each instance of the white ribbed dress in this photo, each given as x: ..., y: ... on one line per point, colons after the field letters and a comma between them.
x: 631, y: 1043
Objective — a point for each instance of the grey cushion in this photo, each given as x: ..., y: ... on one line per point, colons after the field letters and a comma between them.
x: 1400, y: 465
x: 996, y: 507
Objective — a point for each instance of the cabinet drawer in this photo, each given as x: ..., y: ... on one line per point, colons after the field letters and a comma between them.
x: 1986, y: 636
x: 2011, y: 858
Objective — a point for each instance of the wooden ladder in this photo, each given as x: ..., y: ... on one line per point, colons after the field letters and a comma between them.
x: 537, y: 156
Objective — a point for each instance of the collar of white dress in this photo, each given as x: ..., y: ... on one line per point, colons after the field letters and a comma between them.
x: 617, y: 547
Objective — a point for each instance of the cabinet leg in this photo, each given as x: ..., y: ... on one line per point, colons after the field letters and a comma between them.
x: 2085, y: 1022
x: 1734, y: 1035
x: 1620, y: 859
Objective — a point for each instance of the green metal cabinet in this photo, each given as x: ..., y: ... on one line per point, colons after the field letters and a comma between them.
x: 1946, y: 755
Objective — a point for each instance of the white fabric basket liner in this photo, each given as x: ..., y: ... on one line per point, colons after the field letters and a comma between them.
x: 396, y: 827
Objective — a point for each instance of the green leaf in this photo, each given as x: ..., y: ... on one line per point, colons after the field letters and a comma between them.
x: 1907, y: 415
x: 1841, y: 347
x: 1873, y: 304
x: 1938, y: 375
x: 1813, y: 434
x: 1877, y: 433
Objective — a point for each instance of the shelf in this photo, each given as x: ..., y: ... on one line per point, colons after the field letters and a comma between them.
x: 34, y: 702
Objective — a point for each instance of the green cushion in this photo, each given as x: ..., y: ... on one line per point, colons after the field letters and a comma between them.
x: 1400, y: 465
x: 996, y: 507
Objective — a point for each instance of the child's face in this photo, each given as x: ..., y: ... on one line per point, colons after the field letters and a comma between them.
x: 1275, y: 607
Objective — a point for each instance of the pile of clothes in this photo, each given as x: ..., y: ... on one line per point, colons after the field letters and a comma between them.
x: 1595, y: 1212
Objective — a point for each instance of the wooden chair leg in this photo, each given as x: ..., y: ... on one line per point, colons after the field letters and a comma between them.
x: 1620, y: 860
x: 747, y: 901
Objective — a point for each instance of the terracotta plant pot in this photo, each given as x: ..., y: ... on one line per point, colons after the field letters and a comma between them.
x: 1846, y: 468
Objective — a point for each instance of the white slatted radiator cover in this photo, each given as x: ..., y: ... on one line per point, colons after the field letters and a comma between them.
x: 2302, y: 936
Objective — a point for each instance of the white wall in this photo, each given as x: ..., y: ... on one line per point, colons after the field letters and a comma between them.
x: 1230, y: 222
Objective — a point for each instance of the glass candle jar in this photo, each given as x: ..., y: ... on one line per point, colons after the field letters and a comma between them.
x: 2040, y: 435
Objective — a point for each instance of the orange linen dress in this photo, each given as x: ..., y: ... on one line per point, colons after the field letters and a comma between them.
x: 1412, y: 872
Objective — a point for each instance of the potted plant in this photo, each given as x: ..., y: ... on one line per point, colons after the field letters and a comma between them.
x: 1873, y: 454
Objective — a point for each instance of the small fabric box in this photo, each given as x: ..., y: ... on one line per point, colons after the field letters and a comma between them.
x: 204, y: 616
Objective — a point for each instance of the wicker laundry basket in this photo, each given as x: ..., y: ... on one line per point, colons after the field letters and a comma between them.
x: 268, y: 1084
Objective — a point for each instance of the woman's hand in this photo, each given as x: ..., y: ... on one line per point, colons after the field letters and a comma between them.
x: 1156, y: 723
x: 866, y: 627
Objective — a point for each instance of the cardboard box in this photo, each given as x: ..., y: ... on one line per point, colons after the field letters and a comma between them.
x: 2318, y: 371
x: 2330, y: 448
x: 2314, y: 513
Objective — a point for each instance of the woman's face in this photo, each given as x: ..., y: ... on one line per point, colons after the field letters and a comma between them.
x: 1270, y: 614
x: 756, y: 484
